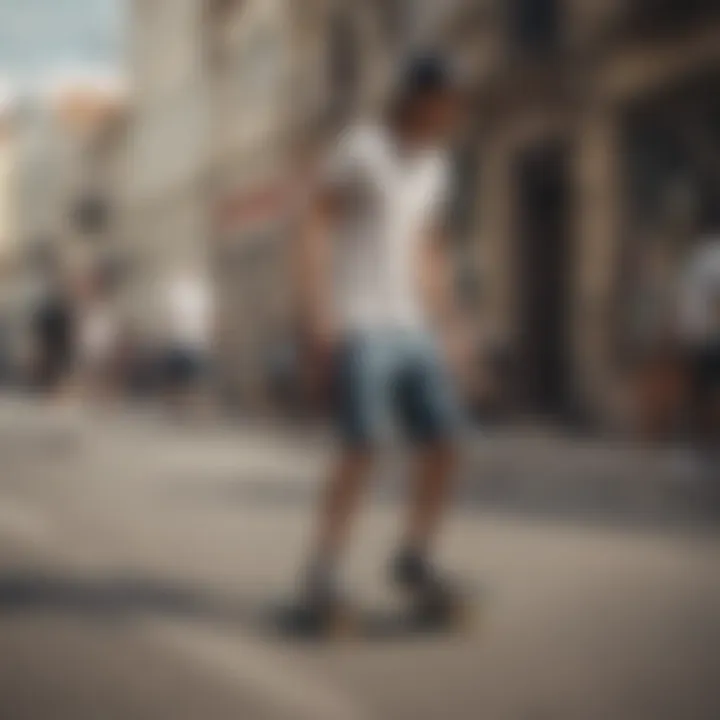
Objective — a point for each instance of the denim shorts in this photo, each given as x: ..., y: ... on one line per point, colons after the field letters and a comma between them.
x: 184, y: 366
x: 390, y: 379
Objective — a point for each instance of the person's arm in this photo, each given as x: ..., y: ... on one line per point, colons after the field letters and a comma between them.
x: 333, y: 181
x: 313, y: 268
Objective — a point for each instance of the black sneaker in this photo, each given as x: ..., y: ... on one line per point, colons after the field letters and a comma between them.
x: 435, y: 599
x: 322, y: 611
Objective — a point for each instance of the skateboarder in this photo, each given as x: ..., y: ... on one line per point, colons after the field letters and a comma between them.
x: 375, y: 292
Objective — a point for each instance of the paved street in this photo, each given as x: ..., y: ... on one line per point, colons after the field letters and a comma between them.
x: 140, y: 563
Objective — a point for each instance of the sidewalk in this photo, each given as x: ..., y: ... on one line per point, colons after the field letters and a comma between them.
x: 510, y: 470
x: 520, y: 471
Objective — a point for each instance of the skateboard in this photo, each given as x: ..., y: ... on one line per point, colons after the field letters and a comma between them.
x: 336, y: 623
x: 441, y: 615
x: 413, y: 616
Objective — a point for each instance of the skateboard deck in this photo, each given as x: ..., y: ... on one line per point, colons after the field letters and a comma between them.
x: 387, y: 622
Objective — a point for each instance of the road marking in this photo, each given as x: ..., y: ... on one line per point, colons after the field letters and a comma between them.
x: 251, y: 664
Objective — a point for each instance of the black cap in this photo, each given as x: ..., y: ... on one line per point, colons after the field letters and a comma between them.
x: 426, y: 74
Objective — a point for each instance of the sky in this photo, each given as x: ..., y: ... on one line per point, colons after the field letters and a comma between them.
x: 42, y: 39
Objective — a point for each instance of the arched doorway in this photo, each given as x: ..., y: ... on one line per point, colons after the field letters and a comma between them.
x: 542, y: 261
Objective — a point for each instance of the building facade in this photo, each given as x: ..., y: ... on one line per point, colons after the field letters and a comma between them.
x: 283, y: 76
x: 68, y: 151
x: 593, y: 147
x: 8, y: 240
x: 164, y: 205
x: 249, y: 50
x: 593, y: 151
x: 60, y: 156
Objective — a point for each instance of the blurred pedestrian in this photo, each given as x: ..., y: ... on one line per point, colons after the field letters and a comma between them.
x: 700, y: 327
x: 376, y: 289
x: 657, y: 368
x: 53, y: 333
x: 99, y: 335
x: 188, y: 357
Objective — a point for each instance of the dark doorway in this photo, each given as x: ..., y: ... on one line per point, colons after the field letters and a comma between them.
x: 543, y: 266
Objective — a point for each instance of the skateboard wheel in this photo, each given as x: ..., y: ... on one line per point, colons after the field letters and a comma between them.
x: 343, y: 624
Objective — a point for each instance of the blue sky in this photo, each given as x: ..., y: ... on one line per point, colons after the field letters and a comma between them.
x: 41, y: 37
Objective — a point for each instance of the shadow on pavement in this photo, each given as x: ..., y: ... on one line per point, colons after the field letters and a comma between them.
x: 127, y: 599
x: 115, y: 598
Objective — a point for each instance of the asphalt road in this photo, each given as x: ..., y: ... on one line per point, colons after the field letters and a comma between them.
x: 140, y: 564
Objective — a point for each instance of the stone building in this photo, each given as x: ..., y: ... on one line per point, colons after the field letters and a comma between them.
x: 67, y: 158
x: 206, y: 144
x: 282, y: 74
x: 164, y: 207
x: 249, y: 56
x: 7, y: 162
x: 594, y: 132
x: 594, y: 145
x: 223, y: 92
x: 61, y: 156
x: 8, y: 239
x: 90, y: 173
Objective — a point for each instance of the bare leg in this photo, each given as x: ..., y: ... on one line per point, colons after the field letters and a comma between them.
x: 322, y: 604
x: 437, y: 598
x: 340, y: 502
x: 435, y: 466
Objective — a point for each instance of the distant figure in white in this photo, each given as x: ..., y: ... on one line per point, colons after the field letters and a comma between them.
x: 99, y: 337
x: 189, y: 323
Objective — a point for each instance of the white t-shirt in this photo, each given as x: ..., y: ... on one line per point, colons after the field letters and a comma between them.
x: 391, y: 200
x: 99, y: 333
x: 700, y: 293
x: 189, y: 313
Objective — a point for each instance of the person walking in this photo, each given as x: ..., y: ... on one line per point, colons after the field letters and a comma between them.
x: 99, y: 336
x: 54, y: 334
x: 189, y: 316
x: 700, y: 330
